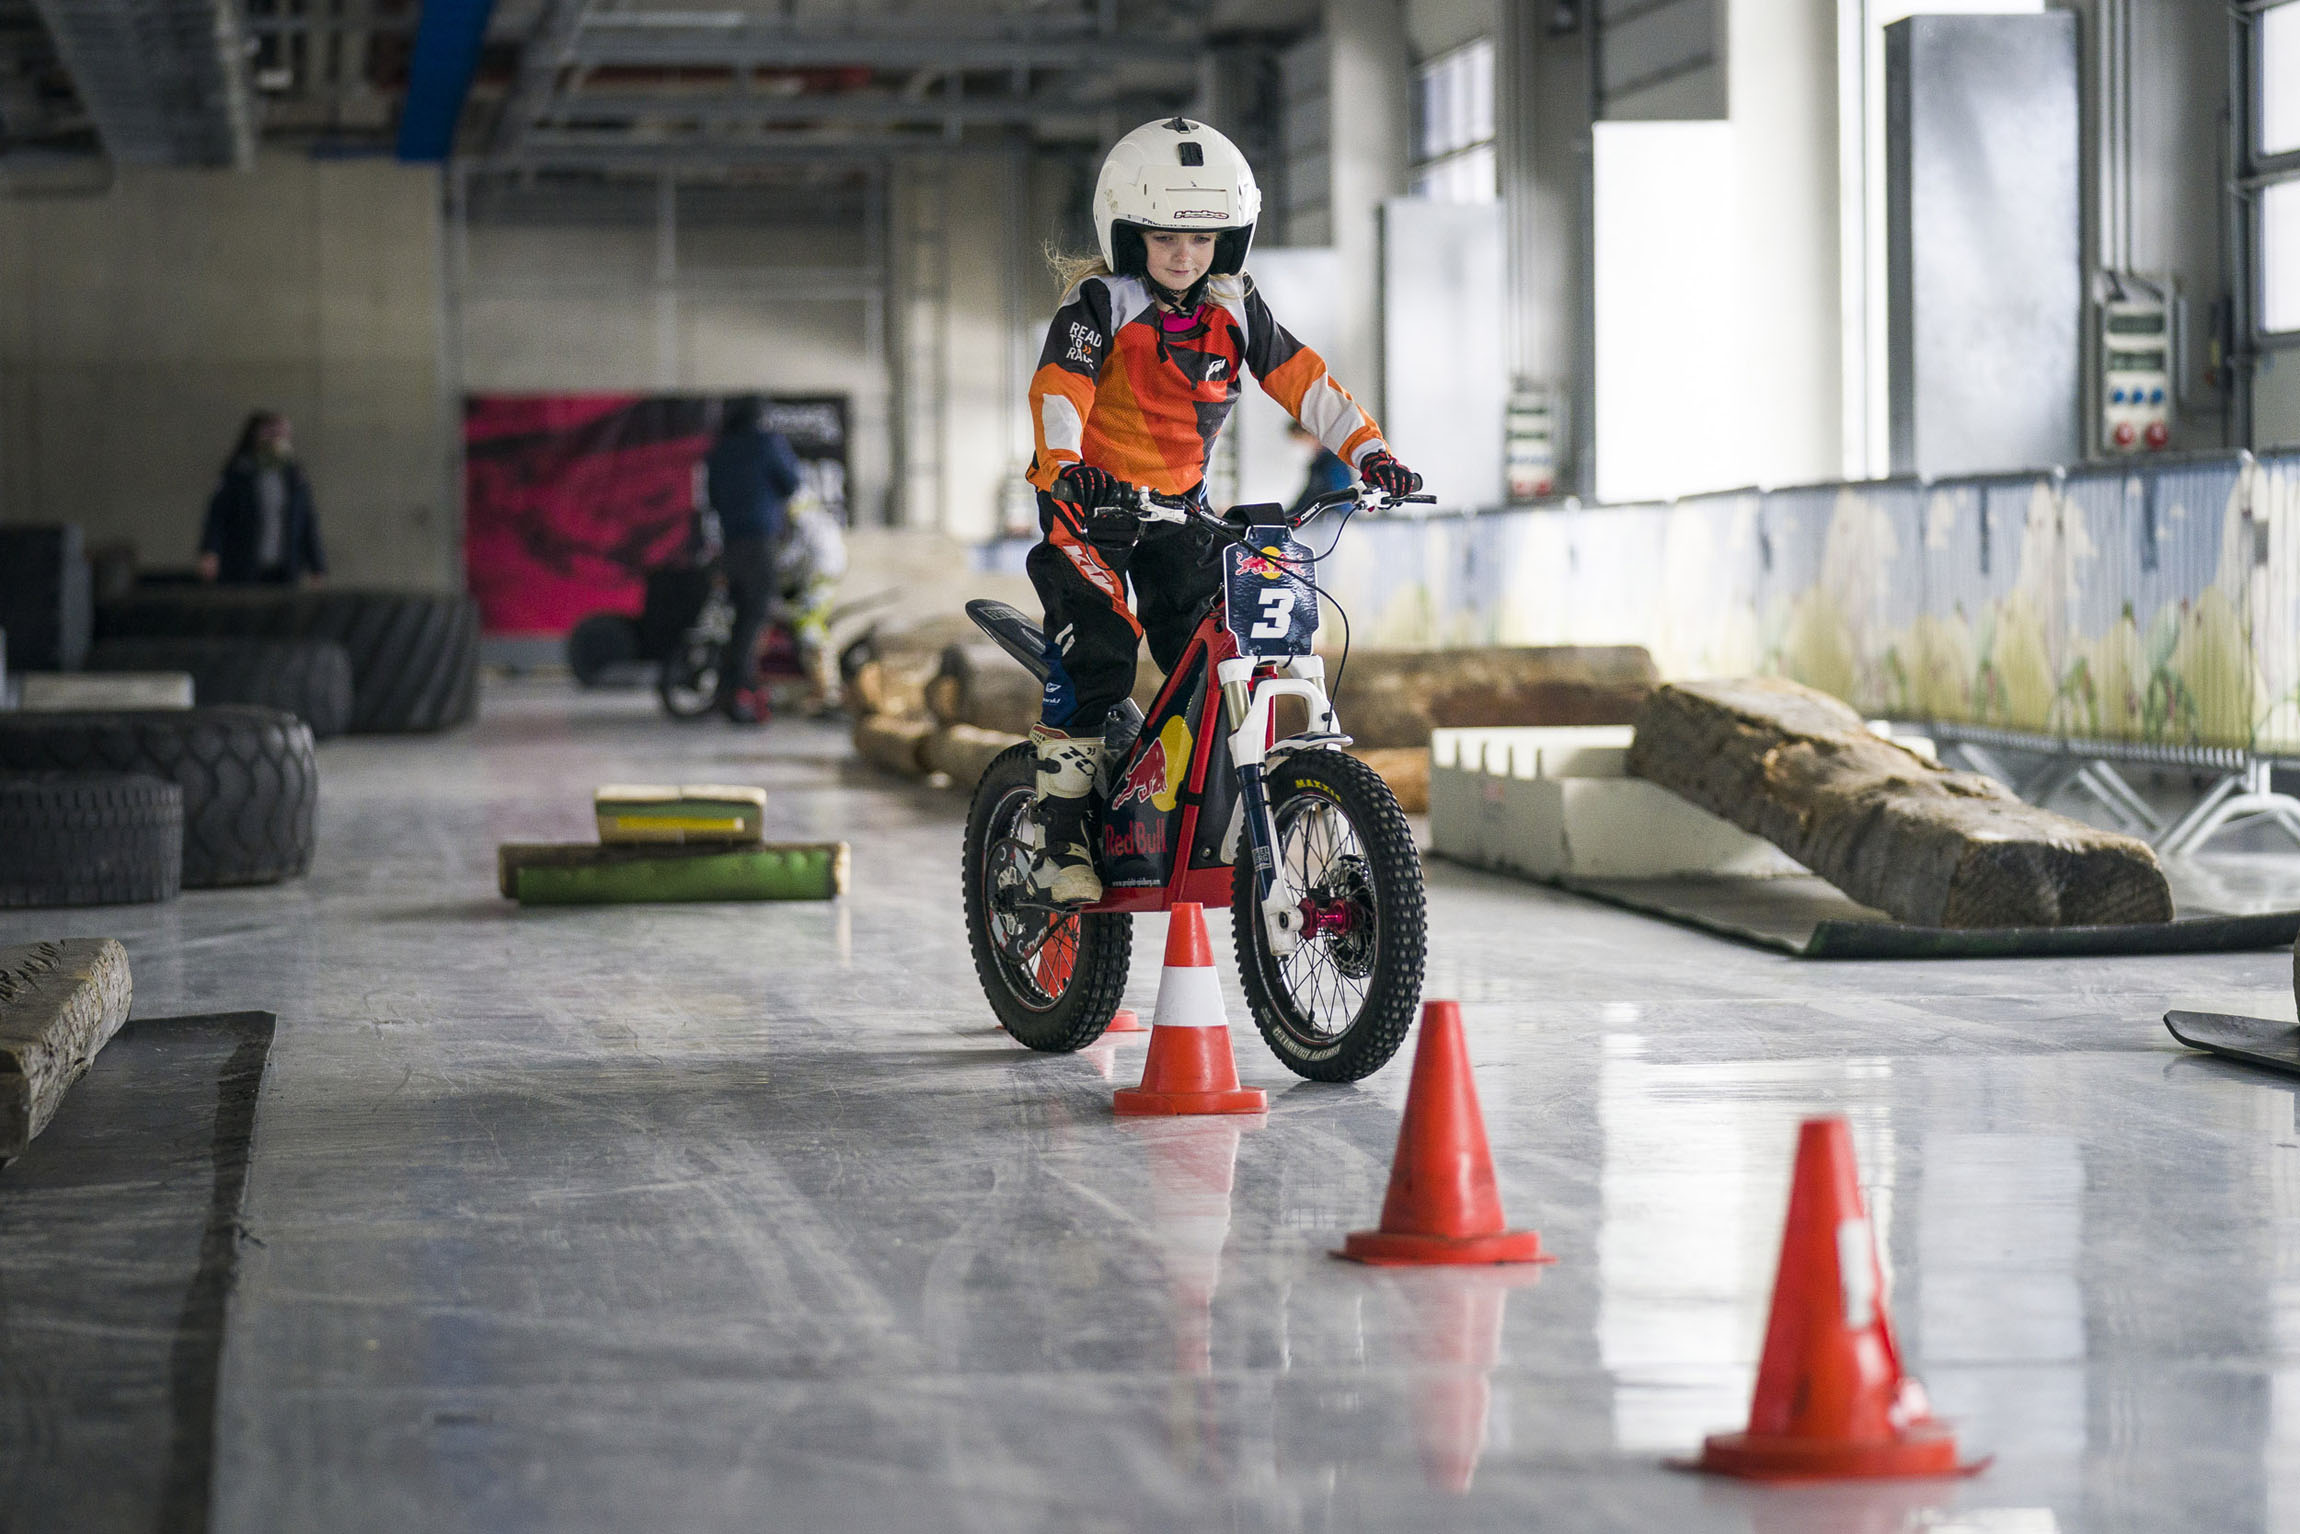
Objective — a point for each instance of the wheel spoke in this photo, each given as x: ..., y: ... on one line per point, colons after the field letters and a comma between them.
x: 1321, y: 851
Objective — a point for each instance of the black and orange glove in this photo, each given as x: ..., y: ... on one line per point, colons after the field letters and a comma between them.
x: 1387, y: 475
x: 1091, y: 488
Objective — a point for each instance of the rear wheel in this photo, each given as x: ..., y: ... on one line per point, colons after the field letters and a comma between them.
x: 1338, y: 1006
x: 1054, y: 981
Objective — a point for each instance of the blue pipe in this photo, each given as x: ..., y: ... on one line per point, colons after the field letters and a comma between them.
x: 439, y: 72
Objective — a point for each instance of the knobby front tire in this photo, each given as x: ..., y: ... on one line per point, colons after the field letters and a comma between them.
x: 1339, y: 1006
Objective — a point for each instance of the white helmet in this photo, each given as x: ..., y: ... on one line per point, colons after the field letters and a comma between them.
x: 1181, y: 175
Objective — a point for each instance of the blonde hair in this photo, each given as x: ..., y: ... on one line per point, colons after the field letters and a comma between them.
x: 1070, y: 270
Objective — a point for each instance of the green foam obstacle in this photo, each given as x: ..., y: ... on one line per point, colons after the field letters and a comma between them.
x: 594, y: 874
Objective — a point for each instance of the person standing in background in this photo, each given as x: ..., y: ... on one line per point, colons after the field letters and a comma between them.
x: 750, y: 475
x: 261, y: 527
x: 1327, y: 471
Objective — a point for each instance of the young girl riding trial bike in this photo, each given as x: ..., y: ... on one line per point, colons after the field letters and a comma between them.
x: 1145, y: 359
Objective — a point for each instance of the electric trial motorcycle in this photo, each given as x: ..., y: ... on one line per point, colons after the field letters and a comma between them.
x: 1206, y: 802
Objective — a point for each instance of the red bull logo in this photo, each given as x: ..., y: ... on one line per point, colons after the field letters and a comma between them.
x: 1156, y: 778
x: 1263, y: 565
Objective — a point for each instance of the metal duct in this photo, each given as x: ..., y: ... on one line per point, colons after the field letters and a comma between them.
x: 165, y: 80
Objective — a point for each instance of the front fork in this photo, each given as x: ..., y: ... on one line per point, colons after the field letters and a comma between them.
x: 1246, y: 706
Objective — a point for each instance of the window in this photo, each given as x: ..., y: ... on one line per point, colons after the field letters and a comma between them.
x: 2280, y: 80
x: 2280, y: 256
x: 2276, y: 162
x: 1453, y: 126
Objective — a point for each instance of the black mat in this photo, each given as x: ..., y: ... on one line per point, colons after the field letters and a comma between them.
x: 119, y: 1236
x: 2257, y: 1041
x: 1808, y: 918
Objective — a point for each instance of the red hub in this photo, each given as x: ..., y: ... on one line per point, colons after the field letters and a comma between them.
x: 1323, y: 917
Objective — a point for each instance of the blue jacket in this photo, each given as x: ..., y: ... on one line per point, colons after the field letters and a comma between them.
x: 1327, y: 474
x: 234, y: 527
x: 750, y: 478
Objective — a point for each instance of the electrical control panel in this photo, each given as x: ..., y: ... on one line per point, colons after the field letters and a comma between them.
x: 2135, y: 374
x: 1529, y: 442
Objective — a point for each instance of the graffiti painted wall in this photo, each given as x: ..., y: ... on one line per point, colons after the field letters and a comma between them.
x: 569, y: 499
x: 2153, y: 602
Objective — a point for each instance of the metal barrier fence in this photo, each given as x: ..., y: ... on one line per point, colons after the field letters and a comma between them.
x: 2147, y: 610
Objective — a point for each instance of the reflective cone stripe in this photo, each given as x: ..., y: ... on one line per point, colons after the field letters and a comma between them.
x: 1443, y: 1205
x: 1831, y: 1400
x: 1189, y: 1068
x: 1189, y: 998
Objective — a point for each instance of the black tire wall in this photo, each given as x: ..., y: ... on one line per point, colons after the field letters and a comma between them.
x: 249, y: 777
x: 89, y: 839
x: 309, y: 678
x: 414, y: 655
x: 44, y: 604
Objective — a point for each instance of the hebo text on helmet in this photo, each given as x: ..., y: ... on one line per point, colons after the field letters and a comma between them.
x: 1175, y: 175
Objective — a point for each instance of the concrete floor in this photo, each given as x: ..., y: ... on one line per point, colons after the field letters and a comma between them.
x: 744, y: 1217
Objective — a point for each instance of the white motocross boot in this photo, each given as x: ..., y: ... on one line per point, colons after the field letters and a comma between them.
x: 1064, y: 870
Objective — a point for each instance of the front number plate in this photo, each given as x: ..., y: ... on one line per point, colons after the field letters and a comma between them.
x: 1272, y: 609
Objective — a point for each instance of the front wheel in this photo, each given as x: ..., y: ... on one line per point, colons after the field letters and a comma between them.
x: 688, y: 684
x: 1340, y: 1004
x: 1054, y: 980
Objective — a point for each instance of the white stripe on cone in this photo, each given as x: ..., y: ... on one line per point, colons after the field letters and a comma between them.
x: 1189, y: 997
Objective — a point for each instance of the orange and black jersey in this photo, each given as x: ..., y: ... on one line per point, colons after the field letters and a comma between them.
x: 1127, y: 387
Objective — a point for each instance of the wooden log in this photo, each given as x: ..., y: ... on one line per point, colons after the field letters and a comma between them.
x: 59, y: 1004
x: 893, y: 742
x: 1931, y: 847
x: 1405, y: 769
x: 866, y: 689
x: 981, y: 685
x: 1396, y: 697
x: 962, y: 751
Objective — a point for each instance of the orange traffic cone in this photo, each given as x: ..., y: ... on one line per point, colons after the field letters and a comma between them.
x: 1832, y: 1402
x: 1125, y: 1020
x: 1442, y: 1205
x: 1189, y: 1069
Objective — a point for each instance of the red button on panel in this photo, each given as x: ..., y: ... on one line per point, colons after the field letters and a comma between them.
x: 2123, y: 434
x: 2157, y: 434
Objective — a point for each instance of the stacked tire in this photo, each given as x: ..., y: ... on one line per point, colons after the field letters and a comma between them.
x: 414, y: 656
x: 309, y: 678
x: 90, y: 839
x: 246, y: 784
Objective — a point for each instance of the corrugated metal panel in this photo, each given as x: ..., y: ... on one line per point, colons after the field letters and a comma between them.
x: 2158, y: 612
x: 1616, y: 553
x: 2272, y: 492
x: 1940, y: 652
x: 2152, y: 603
x: 1705, y: 623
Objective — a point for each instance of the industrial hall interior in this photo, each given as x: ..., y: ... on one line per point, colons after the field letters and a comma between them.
x: 1150, y: 766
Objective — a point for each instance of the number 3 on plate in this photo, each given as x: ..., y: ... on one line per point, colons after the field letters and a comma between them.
x: 1277, y: 615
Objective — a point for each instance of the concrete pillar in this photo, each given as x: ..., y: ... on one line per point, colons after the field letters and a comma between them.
x: 1370, y: 100
x: 1782, y: 99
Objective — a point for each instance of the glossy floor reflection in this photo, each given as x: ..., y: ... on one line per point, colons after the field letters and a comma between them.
x: 744, y: 1217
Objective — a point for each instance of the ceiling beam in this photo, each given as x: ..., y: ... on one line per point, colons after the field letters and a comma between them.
x: 610, y: 39
x: 873, y: 110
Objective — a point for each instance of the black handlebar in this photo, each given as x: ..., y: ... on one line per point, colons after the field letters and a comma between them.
x: 1141, y: 499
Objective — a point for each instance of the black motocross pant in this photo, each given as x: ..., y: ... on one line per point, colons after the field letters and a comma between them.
x: 750, y: 567
x: 1082, y: 569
